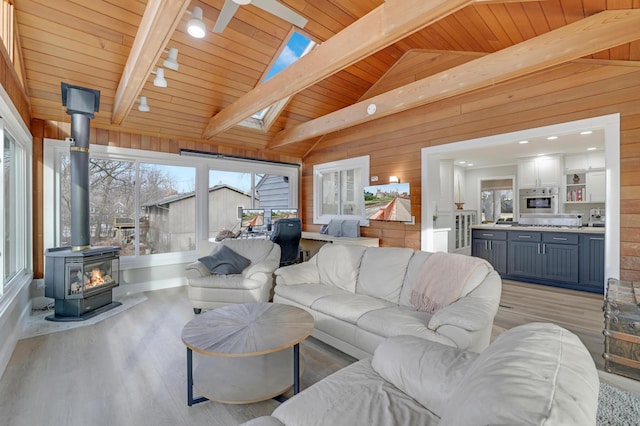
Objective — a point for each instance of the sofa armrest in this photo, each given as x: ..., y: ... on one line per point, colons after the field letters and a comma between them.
x: 196, y: 269
x: 300, y: 273
x: 470, y: 315
x: 427, y: 371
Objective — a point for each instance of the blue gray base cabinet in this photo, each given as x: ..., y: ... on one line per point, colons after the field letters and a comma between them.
x: 491, y: 246
x: 561, y: 259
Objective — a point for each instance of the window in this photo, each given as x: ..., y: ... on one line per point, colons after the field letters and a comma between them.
x: 496, y: 197
x: 249, y: 190
x: 296, y: 46
x: 338, y: 189
x: 16, y: 206
x: 154, y: 205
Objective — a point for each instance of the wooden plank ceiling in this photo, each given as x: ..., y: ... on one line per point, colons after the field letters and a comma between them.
x: 92, y: 42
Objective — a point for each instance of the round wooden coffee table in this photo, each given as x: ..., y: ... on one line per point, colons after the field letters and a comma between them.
x: 245, y: 346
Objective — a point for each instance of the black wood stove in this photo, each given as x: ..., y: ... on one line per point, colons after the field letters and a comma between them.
x: 80, y: 278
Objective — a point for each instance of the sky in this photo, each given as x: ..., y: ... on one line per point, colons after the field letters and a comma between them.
x: 292, y: 52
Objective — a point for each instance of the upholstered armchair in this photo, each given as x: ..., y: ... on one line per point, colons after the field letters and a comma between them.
x: 243, y: 274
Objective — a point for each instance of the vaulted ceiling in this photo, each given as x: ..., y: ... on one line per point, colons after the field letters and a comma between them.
x: 113, y: 45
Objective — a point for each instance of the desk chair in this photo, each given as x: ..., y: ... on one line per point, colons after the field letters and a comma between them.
x: 287, y: 233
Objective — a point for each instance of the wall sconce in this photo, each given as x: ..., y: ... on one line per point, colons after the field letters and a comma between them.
x: 394, y: 179
x: 144, y: 106
x: 172, y: 59
x: 159, y: 81
x: 195, y: 26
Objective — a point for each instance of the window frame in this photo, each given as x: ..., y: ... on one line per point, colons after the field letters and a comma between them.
x: 340, y: 166
x: 11, y: 123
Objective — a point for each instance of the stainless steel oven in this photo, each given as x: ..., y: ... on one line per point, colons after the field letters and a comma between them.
x: 539, y: 200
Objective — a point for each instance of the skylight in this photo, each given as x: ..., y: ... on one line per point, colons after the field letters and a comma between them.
x: 296, y: 47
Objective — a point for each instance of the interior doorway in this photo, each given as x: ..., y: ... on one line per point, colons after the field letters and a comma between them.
x: 610, y: 124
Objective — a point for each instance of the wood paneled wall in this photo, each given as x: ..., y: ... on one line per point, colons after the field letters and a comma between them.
x: 59, y: 130
x: 573, y: 91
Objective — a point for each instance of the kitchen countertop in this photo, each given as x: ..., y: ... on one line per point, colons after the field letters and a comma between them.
x: 505, y: 227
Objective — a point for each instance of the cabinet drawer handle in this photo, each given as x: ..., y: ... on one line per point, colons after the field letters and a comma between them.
x: 524, y: 236
x: 559, y: 239
x: 596, y: 239
x: 487, y: 235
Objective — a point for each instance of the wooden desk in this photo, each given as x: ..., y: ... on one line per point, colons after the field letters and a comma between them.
x: 312, y: 241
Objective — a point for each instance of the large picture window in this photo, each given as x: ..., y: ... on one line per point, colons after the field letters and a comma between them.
x: 154, y: 205
x: 338, y: 189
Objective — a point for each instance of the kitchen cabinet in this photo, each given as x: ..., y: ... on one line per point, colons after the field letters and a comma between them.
x: 572, y: 260
x: 596, y: 188
x: 592, y: 261
x: 547, y: 256
x: 583, y: 162
x: 539, y: 172
x: 492, y: 247
x: 462, y: 230
x: 585, y: 187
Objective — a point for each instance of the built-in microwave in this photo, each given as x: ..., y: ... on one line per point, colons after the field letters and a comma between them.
x: 539, y: 200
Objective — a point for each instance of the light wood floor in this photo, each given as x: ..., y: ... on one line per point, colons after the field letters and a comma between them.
x: 131, y: 368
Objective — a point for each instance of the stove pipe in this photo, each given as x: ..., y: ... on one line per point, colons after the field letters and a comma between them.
x: 81, y: 103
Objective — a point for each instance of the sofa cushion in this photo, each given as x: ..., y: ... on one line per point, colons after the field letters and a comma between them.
x: 382, y: 272
x: 225, y: 261
x: 427, y: 371
x: 306, y: 294
x: 354, y: 395
x: 536, y: 374
x: 339, y: 264
x: 234, y: 281
x: 349, y: 307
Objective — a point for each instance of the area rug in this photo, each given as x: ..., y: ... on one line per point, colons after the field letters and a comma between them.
x: 617, y: 407
x: 37, y: 325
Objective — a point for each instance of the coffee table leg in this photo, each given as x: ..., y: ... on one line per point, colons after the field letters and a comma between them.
x: 190, y: 400
x: 296, y: 368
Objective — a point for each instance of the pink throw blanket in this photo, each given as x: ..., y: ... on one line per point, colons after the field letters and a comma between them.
x: 441, y: 280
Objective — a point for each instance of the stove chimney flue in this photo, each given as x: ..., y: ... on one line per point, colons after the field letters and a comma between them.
x: 81, y: 104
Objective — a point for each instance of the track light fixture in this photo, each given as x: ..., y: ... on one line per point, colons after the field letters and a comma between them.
x: 144, y: 106
x: 195, y: 26
x: 159, y: 81
x: 171, y: 61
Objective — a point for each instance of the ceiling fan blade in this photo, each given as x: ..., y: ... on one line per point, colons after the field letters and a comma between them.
x: 227, y: 12
x: 282, y: 11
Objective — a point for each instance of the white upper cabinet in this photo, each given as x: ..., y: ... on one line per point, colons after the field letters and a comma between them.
x: 539, y: 172
x: 582, y: 162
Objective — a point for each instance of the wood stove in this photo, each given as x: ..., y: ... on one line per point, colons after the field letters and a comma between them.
x: 80, y: 277
x: 81, y: 281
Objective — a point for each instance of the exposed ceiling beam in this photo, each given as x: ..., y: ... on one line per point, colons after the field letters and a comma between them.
x: 156, y: 27
x: 388, y: 23
x: 593, y: 34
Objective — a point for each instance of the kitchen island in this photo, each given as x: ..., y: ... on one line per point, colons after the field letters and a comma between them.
x: 567, y: 257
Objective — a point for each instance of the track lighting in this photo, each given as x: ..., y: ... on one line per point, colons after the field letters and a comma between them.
x: 171, y: 61
x: 144, y: 106
x: 195, y: 26
x: 159, y: 81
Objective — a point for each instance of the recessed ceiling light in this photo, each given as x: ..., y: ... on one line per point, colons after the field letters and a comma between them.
x: 552, y: 138
x: 593, y: 148
x: 586, y: 132
x: 470, y: 164
x: 461, y: 162
x: 523, y: 142
x: 540, y: 155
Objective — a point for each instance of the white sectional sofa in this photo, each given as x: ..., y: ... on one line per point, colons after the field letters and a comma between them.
x: 359, y: 296
x: 535, y: 374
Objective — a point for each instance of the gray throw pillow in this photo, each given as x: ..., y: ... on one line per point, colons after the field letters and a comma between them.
x: 225, y: 261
